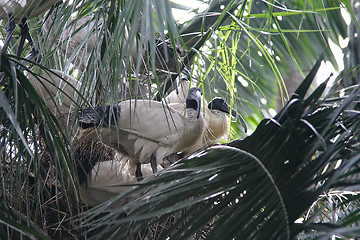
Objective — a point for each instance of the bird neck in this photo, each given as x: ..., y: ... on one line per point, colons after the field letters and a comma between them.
x: 218, y: 127
x: 192, y: 114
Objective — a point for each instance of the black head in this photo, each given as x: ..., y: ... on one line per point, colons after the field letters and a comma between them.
x: 193, y: 100
x: 221, y: 105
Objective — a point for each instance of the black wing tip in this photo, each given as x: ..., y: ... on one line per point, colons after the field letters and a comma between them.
x: 93, y: 117
x: 88, y: 118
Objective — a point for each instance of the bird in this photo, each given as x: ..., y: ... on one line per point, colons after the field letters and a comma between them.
x: 100, y: 169
x: 79, y: 35
x: 19, y: 11
x: 216, y: 121
x: 146, y: 130
x: 59, y: 90
x: 219, y: 110
x: 109, y: 178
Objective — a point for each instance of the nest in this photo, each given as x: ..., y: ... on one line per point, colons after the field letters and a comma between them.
x: 87, y: 152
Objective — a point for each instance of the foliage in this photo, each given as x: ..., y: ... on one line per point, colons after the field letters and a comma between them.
x: 267, y: 179
x: 298, y: 166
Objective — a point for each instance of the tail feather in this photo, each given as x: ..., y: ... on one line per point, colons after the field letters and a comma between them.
x: 93, y: 117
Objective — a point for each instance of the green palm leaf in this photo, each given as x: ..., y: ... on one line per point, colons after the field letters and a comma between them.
x: 299, y: 165
x: 280, y: 171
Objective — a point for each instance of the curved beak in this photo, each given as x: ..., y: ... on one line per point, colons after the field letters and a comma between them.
x: 238, y: 116
x: 194, y: 100
x: 177, y: 82
x: 199, y: 100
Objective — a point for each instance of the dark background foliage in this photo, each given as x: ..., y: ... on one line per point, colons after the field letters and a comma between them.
x: 294, y: 175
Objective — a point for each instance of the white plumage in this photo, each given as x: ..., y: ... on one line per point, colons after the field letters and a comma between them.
x: 216, y: 117
x: 136, y: 133
x: 109, y: 178
x: 78, y: 38
x: 148, y: 130
x: 219, y: 112
x: 131, y: 135
x: 58, y: 90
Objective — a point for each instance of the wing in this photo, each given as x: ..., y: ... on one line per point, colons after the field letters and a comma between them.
x: 58, y: 90
x: 150, y: 119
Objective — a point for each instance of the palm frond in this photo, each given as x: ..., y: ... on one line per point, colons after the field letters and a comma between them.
x: 295, y: 176
x: 245, y: 189
x: 25, y: 162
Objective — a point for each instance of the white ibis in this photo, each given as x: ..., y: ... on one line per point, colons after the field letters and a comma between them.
x: 109, y: 178
x: 216, y: 121
x: 217, y: 124
x: 58, y: 90
x: 78, y: 38
x: 147, y: 130
x: 18, y: 11
x: 99, y: 177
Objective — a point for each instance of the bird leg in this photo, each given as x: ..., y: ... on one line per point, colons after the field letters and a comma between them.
x: 10, y: 32
x: 174, y: 157
x: 138, y: 172
x: 153, y: 163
